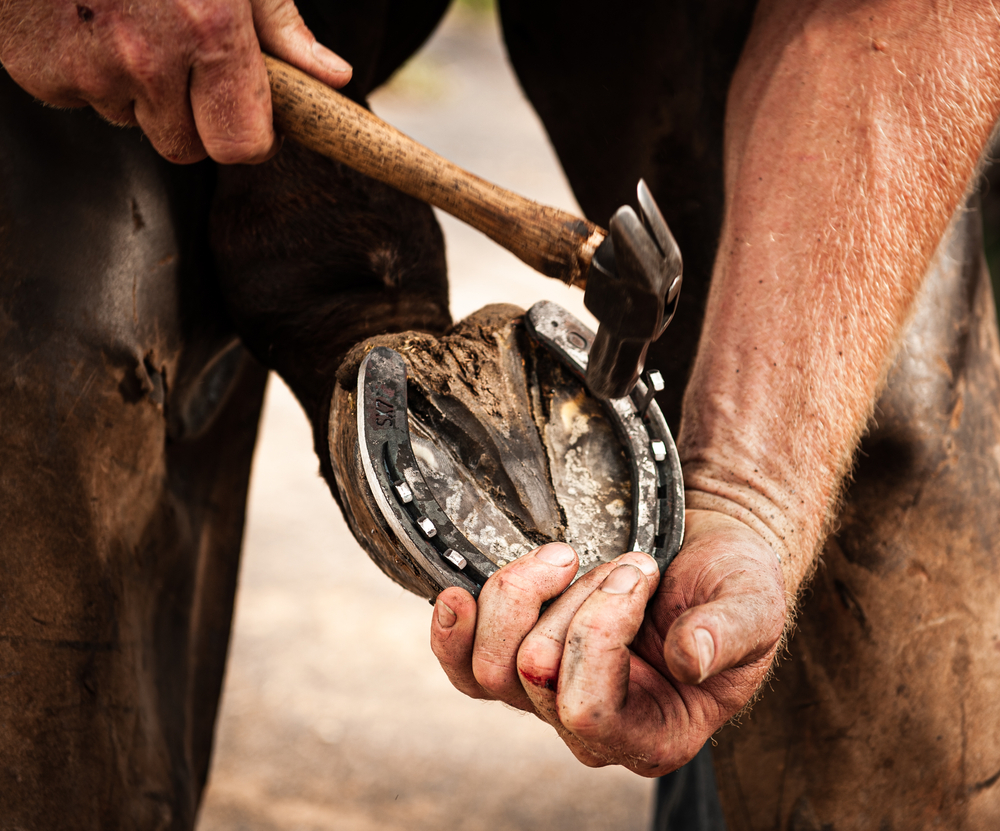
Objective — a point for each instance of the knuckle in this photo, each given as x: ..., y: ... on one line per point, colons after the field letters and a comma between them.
x: 33, y: 73
x: 537, y: 669
x: 586, y: 718
x: 514, y: 582
x: 232, y: 130
x: 140, y: 65
x: 537, y: 654
x: 84, y: 88
x: 286, y: 18
x: 595, y: 631
x: 123, y: 117
x: 92, y: 82
x: 238, y: 151
x: 184, y: 156
x: 177, y: 143
x: 210, y: 22
x: 490, y: 674
x: 592, y: 623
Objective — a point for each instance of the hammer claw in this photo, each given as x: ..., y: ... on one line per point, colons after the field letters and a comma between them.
x: 633, y: 288
x: 654, y: 222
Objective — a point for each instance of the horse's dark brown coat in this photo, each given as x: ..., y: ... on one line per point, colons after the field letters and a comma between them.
x: 127, y: 420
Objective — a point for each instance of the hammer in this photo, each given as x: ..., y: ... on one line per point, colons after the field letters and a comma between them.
x: 632, y: 276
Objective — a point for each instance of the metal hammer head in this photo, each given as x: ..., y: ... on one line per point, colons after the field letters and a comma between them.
x: 632, y: 289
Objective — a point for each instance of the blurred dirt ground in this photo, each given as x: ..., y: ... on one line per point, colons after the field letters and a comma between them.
x: 335, y: 715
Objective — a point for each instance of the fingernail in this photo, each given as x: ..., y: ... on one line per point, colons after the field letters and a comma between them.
x: 446, y: 617
x: 556, y: 554
x: 331, y: 60
x: 646, y: 564
x: 706, y: 652
x: 621, y: 581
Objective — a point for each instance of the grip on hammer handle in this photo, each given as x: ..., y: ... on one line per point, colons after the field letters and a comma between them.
x: 551, y: 241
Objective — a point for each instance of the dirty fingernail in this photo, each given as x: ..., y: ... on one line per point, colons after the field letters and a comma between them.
x: 446, y: 617
x: 556, y: 554
x: 331, y: 60
x: 646, y: 564
x: 621, y: 581
x: 706, y: 652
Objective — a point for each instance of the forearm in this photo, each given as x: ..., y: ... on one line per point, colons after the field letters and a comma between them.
x: 853, y: 132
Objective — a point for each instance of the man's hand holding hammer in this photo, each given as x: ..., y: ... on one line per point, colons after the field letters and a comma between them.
x: 853, y: 132
x: 190, y: 73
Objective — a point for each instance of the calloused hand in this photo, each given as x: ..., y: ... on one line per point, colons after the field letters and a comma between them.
x: 628, y: 668
x: 188, y: 72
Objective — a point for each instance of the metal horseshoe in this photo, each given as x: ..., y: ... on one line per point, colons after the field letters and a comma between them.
x: 428, y: 536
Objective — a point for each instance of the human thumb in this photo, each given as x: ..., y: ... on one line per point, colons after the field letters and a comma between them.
x: 282, y: 33
x: 741, y: 623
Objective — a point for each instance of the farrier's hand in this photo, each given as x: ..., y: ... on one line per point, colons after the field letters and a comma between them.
x: 188, y: 72
x: 623, y: 682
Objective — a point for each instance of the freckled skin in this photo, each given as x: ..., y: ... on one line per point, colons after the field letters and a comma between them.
x: 190, y: 74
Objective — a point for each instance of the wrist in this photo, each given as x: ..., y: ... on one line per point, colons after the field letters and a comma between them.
x: 780, y: 516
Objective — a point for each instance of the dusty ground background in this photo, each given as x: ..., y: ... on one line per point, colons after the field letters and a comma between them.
x: 335, y: 715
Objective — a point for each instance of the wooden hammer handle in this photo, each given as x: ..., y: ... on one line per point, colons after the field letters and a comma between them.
x: 551, y: 241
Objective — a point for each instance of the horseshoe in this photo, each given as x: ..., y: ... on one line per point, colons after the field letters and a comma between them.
x: 431, y: 539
